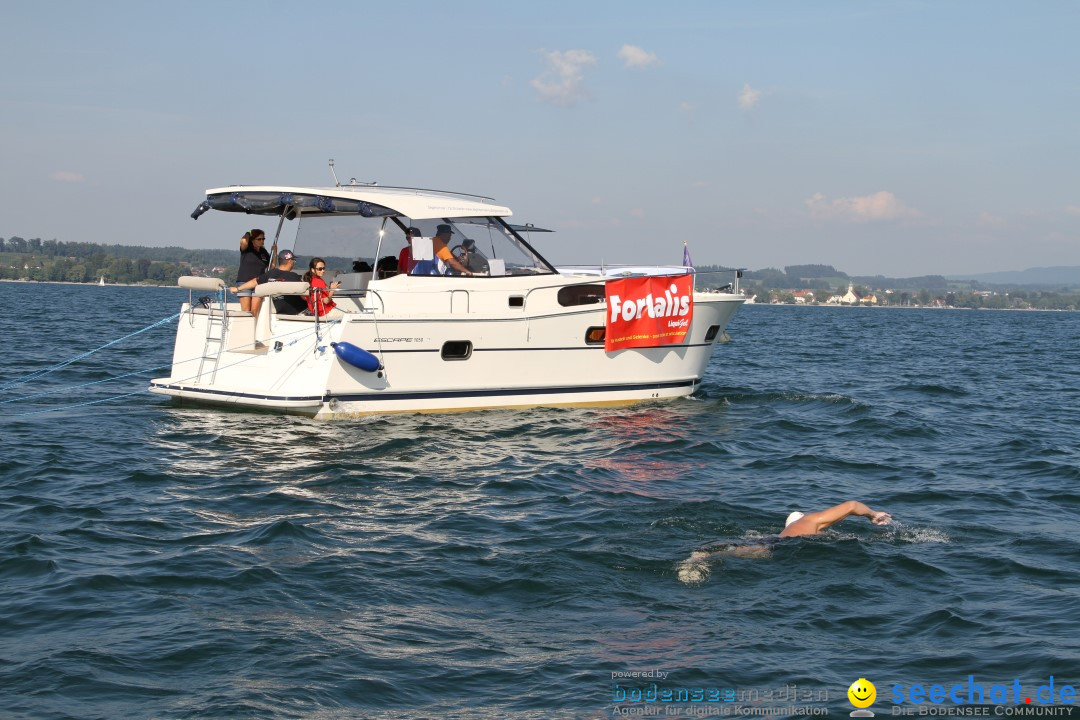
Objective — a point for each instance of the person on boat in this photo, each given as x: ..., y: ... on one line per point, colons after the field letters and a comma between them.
x: 441, y: 247
x: 283, y: 304
x: 386, y: 267
x: 254, y: 261
x: 441, y: 243
x: 405, y: 261
x: 471, y: 257
x: 320, y: 299
x: 799, y: 523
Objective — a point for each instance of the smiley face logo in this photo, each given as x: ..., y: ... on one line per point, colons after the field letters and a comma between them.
x: 862, y: 693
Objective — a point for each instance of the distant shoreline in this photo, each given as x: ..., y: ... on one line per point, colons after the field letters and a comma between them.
x: 905, y: 307
x: 787, y: 305
x: 86, y: 284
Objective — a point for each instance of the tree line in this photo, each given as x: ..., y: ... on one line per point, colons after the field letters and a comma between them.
x: 83, y: 250
x: 86, y: 262
x: 83, y: 262
x: 774, y: 285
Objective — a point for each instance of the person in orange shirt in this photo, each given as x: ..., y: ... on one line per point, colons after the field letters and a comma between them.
x: 440, y: 245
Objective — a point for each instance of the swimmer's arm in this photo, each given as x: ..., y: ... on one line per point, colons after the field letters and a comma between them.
x: 835, y: 514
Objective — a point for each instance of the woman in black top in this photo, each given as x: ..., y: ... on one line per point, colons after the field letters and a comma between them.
x: 254, y: 259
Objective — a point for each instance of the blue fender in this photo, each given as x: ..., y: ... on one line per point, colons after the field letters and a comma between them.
x: 357, y: 357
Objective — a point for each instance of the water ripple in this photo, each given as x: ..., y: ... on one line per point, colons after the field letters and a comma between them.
x: 170, y: 563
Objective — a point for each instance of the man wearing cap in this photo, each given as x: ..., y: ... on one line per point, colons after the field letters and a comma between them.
x: 812, y: 523
x: 283, y: 304
x: 439, y: 245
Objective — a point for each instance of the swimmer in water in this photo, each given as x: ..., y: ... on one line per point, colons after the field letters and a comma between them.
x: 695, y: 568
x: 799, y: 524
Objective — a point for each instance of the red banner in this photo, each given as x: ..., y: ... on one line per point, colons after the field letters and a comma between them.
x: 648, y: 311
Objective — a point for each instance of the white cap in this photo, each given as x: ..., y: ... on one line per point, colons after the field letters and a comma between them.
x: 793, y: 517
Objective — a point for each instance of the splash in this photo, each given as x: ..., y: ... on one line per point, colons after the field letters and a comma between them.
x: 694, y: 570
x: 919, y: 535
x: 896, y: 533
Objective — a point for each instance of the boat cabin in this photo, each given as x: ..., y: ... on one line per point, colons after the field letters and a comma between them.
x: 361, y: 231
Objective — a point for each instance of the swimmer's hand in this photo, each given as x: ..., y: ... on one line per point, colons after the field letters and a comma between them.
x: 881, y: 518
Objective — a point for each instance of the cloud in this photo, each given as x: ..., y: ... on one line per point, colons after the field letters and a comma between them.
x: 687, y: 107
x: 868, y: 208
x: 637, y: 212
x: 988, y: 220
x: 563, y: 82
x: 66, y: 176
x: 1072, y: 209
x: 749, y: 97
x: 634, y: 57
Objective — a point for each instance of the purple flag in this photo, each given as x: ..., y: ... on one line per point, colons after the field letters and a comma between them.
x: 686, y: 257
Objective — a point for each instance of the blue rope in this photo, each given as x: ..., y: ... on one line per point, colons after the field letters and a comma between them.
x: 42, y: 373
x: 88, y: 402
x: 137, y: 372
x: 67, y: 388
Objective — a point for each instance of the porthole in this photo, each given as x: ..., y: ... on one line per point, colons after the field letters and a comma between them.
x: 595, y: 335
x: 711, y: 334
x: 456, y: 350
x: 581, y: 295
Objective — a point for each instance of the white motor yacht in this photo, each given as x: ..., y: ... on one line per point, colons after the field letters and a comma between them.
x: 511, y: 330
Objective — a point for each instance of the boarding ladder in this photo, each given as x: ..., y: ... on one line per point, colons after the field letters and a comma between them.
x: 217, y: 321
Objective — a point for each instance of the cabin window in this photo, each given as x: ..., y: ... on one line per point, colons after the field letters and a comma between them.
x: 456, y: 350
x: 712, y: 332
x: 595, y: 335
x: 517, y: 301
x: 581, y: 295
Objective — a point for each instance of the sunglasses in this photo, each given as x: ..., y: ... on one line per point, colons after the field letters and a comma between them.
x: 321, y: 268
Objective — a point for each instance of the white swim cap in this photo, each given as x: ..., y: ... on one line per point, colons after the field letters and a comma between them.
x: 793, y: 517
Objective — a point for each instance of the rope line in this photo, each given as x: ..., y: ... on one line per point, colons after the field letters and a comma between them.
x: 42, y: 373
x: 77, y: 405
x: 139, y: 372
x: 66, y: 388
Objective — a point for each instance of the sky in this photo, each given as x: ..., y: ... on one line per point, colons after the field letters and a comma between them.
x: 897, y: 138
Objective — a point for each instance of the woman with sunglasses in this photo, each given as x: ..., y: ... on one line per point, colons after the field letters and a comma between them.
x: 320, y: 300
x: 254, y: 261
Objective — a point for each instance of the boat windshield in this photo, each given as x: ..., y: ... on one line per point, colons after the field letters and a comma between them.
x: 351, y: 243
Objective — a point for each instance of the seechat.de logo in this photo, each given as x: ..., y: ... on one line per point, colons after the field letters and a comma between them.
x: 862, y: 694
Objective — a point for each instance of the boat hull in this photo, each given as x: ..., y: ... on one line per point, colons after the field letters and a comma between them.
x: 451, y: 361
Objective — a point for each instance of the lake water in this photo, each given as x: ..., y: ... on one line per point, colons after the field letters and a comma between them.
x: 159, y: 562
